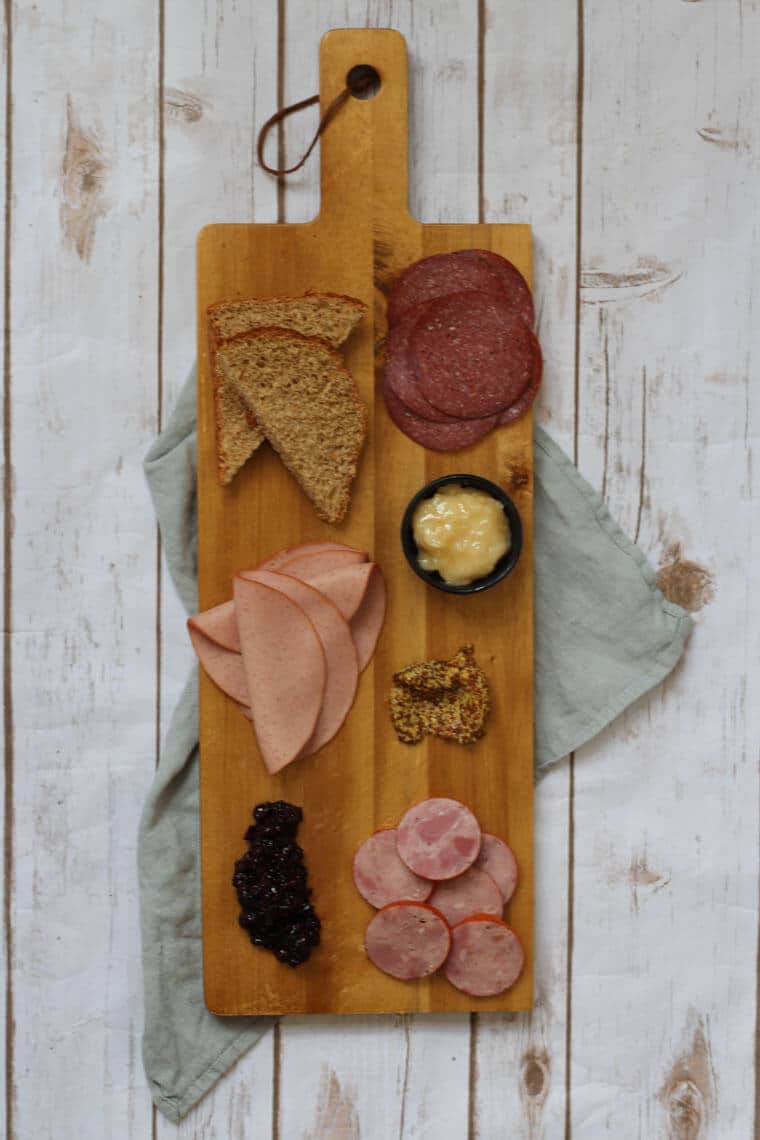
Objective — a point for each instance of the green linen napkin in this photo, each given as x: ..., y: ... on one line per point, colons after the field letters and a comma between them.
x: 604, y: 636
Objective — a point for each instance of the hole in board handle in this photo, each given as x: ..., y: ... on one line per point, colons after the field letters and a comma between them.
x: 363, y: 81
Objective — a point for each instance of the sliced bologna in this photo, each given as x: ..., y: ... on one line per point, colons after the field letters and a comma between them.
x: 224, y: 667
x: 486, y: 956
x: 497, y: 858
x: 345, y: 586
x: 285, y: 670
x: 472, y: 355
x: 219, y: 625
x: 367, y: 622
x: 438, y: 838
x: 282, y: 556
x: 473, y: 892
x: 340, y: 653
x: 407, y: 940
x: 380, y: 875
x: 464, y: 270
x: 399, y: 373
x: 448, y: 436
x: 305, y: 565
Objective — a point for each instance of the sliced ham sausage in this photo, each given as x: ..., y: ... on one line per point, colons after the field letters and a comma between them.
x: 343, y: 585
x: 438, y: 838
x: 473, y: 892
x: 219, y: 625
x: 285, y: 670
x: 380, y: 875
x: 224, y: 667
x: 486, y: 956
x: 339, y: 649
x: 407, y: 940
x: 276, y: 561
x: 367, y: 622
x: 497, y: 858
x: 305, y: 565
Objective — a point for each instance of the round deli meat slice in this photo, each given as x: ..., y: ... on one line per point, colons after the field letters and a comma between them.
x: 472, y: 892
x: 219, y: 625
x: 407, y: 940
x: 223, y: 666
x: 438, y: 838
x: 381, y: 877
x: 367, y: 622
x: 486, y: 956
x: 399, y: 373
x: 307, y: 563
x: 464, y: 270
x: 526, y: 398
x: 340, y: 652
x: 472, y: 355
x: 497, y: 859
x: 282, y: 556
x: 285, y: 670
x: 437, y: 436
x: 346, y: 586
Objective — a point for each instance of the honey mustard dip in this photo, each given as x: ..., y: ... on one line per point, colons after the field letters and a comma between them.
x: 461, y: 532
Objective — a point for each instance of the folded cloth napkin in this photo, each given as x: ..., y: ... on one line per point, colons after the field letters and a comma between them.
x: 604, y: 636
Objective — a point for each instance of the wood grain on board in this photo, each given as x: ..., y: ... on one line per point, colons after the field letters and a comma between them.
x: 365, y: 779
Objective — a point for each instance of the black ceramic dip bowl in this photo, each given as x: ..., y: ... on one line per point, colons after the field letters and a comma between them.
x: 505, y: 564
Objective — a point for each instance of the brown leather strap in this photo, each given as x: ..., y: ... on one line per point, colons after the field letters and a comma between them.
x: 358, y: 87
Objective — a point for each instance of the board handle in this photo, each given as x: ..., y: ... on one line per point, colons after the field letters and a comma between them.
x: 366, y: 144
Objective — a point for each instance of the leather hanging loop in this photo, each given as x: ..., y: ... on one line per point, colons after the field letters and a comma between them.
x: 358, y: 86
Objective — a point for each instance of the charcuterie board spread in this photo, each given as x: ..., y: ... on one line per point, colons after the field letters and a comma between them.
x: 372, y: 698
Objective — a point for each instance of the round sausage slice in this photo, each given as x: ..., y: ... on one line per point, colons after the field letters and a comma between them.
x: 438, y: 436
x: 407, y: 940
x: 486, y: 956
x: 380, y: 875
x: 399, y: 373
x: 472, y: 355
x: 497, y: 859
x: 438, y: 838
x: 473, y: 892
x: 466, y: 269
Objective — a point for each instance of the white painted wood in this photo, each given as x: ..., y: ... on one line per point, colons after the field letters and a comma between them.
x: 667, y: 801
x: 377, y: 1077
x: 84, y: 331
x: 530, y: 152
x: 5, y: 480
x: 220, y: 83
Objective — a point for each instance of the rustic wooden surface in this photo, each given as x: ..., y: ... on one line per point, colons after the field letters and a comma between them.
x: 365, y: 779
x: 628, y: 135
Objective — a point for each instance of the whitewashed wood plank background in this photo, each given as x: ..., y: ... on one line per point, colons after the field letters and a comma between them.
x: 627, y: 132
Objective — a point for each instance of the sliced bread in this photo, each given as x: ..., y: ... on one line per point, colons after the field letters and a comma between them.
x: 308, y: 406
x: 330, y: 316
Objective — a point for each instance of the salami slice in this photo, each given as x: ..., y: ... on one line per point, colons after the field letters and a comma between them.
x: 436, y: 436
x: 407, y: 940
x: 473, y: 892
x: 380, y: 875
x: 472, y: 355
x: 497, y: 858
x: 400, y: 375
x: 526, y: 398
x: 438, y: 838
x: 465, y: 270
x: 486, y: 956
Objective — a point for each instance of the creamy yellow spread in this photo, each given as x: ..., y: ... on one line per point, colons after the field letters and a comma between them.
x: 461, y: 532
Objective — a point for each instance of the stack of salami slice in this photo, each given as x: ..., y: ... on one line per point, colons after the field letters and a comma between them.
x: 461, y: 357
x: 440, y: 886
x: 290, y: 644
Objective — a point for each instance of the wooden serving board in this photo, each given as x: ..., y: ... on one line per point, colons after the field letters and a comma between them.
x: 364, y: 779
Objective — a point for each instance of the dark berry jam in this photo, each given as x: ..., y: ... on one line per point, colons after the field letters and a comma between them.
x: 270, y: 880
